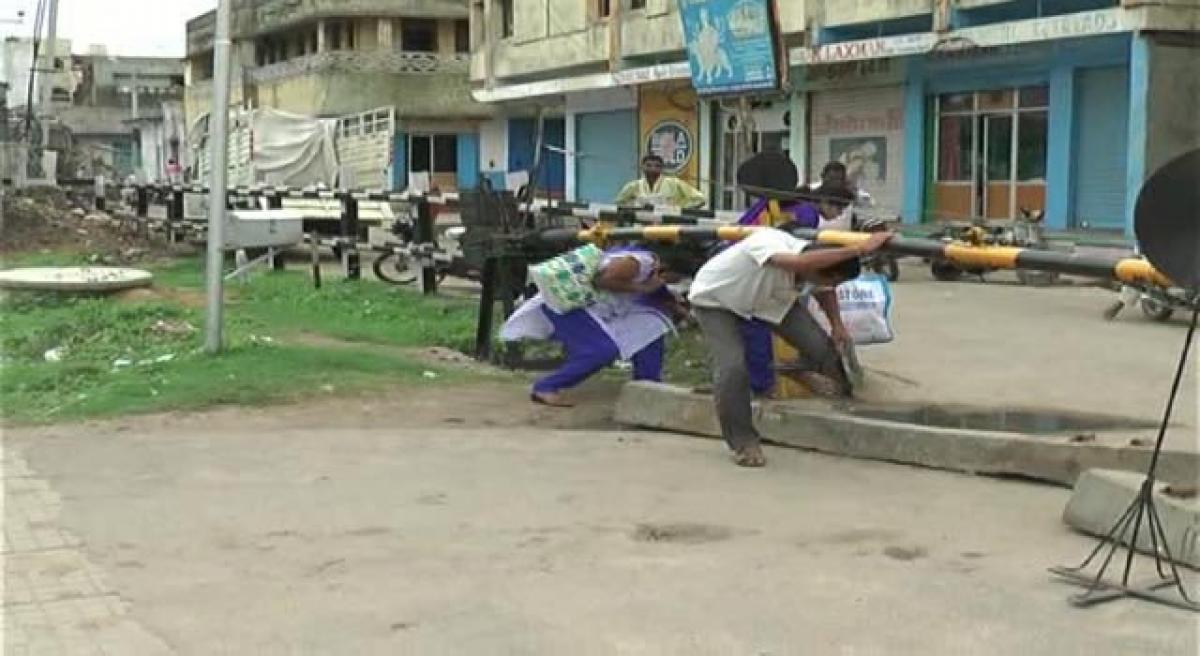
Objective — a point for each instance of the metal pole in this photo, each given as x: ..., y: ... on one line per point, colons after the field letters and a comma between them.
x: 349, y: 230
x: 218, y: 144
x: 423, y: 237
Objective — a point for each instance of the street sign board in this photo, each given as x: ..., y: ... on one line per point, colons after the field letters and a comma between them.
x: 731, y: 45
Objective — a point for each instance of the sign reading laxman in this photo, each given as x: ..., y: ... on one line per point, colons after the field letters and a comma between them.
x: 730, y: 44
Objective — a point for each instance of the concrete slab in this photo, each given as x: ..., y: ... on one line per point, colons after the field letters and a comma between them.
x: 817, y: 425
x: 75, y: 279
x: 1102, y: 495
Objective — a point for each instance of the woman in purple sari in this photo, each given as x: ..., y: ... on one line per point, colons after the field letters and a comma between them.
x: 630, y: 323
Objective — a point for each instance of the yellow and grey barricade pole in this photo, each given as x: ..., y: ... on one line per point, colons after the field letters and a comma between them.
x: 1129, y: 270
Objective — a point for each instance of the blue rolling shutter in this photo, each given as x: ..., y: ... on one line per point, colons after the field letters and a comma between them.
x: 1102, y: 120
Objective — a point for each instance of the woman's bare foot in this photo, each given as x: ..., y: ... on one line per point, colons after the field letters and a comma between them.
x: 750, y: 456
x: 553, y: 399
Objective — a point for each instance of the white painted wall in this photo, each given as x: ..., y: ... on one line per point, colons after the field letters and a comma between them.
x: 602, y: 100
x: 858, y: 117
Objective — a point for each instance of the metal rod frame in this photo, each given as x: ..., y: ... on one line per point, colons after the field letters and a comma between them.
x: 1142, y: 507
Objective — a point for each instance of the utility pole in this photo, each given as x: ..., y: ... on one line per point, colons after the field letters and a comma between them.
x: 218, y: 143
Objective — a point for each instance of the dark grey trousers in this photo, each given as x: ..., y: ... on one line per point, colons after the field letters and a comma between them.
x: 731, y: 377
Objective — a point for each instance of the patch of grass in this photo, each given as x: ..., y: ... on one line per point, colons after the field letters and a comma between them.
x: 363, y: 310
x: 687, y: 359
x: 73, y: 357
x: 181, y: 274
x: 246, y: 374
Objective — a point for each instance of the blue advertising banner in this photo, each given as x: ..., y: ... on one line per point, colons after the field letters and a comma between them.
x: 730, y: 45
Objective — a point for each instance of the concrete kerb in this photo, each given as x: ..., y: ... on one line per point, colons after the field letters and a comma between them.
x: 1102, y: 495
x: 819, y: 427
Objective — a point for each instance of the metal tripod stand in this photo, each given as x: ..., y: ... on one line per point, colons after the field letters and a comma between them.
x: 1143, y: 507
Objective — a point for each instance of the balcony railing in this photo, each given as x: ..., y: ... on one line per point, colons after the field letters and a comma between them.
x: 379, y: 61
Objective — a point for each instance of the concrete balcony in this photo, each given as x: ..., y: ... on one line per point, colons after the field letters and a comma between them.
x: 577, y: 49
x: 255, y: 17
x: 644, y: 35
x: 658, y: 30
x: 849, y: 12
x: 379, y: 62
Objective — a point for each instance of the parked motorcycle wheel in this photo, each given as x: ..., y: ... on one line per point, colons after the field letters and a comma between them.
x: 945, y: 272
x: 1156, y: 310
x: 390, y: 268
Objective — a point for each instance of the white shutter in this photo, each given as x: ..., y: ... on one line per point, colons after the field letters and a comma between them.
x: 867, y: 120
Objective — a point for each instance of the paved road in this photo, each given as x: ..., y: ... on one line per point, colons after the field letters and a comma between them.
x: 286, y: 536
x: 1007, y: 345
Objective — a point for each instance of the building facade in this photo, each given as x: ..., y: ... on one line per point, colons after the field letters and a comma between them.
x: 123, y: 116
x: 941, y: 109
x: 16, y: 69
x: 330, y: 59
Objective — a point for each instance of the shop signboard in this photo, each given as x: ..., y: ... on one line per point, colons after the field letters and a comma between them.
x: 730, y: 45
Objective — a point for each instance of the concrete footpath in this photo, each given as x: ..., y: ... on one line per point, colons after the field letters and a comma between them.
x: 211, y: 534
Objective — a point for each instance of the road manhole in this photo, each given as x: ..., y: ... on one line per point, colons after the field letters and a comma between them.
x: 74, y: 279
x: 992, y: 419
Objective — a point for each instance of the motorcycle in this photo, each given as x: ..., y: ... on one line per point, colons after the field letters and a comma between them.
x: 1157, y: 303
x: 1026, y: 231
x: 880, y: 262
x: 394, y: 264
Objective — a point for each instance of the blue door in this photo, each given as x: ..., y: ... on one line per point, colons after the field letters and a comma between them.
x: 522, y: 139
x: 1102, y: 134
x: 468, y: 161
x: 606, y: 154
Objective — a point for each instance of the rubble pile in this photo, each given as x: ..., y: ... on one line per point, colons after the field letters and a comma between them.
x: 46, y: 219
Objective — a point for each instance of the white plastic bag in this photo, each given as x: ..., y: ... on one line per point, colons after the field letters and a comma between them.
x: 866, y: 307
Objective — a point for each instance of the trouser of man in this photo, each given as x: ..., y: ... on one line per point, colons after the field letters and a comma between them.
x: 731, y: 376
x: 589, y: 349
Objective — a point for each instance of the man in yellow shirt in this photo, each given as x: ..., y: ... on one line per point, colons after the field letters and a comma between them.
x: 656, y: 189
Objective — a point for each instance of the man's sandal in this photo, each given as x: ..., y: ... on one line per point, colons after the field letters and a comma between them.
x: 750, y: 456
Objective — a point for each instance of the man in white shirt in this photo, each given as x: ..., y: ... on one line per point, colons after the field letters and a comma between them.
x: 756, y: 280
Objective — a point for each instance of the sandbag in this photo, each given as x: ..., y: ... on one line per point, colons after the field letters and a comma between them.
x: 565, y: 281
x: 866, y: 308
